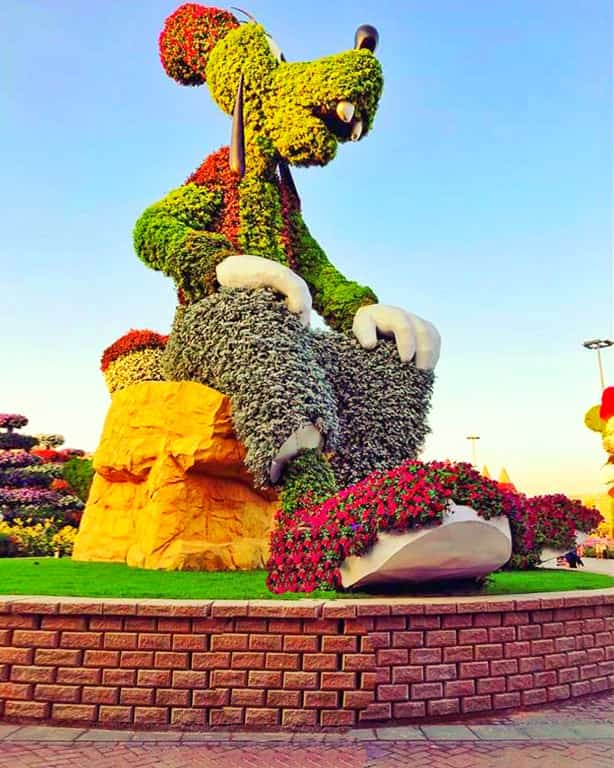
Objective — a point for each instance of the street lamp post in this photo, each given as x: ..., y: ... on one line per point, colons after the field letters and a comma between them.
x: 598, y: 345
x: 473, y: 439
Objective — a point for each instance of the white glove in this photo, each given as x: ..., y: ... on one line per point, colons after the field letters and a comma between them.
x: 413, y: 335
x: 257, y: 272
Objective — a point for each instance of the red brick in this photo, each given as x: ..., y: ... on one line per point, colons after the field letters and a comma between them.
x: 599, y: 684
x: 261, y: 717
x: 383, y: 675
x: 120, y: 641
x: 573, y: 627
x: 554, y: 629
x: 188, y: 718
x: 338, y: 681
x: 520, y: 648
x: 68, y: 694
x: 531, y: 664
x: 38, y: 710
x: 226, y: 678
x: 558, y: 692
x: 593, y: 625
x: 299, y: 718
x: 491, y: 685
x: 243, y: 624
x: 581, y: 689
x: 227, y: 716
x: 351, y: 699
x: 99, y: 658
x: 595, y: 655
x: 81, y: 640
x: 74, y: 623
x: 295, y: 626
x: 385, y: 623
x: 153, y: 642
x: 440, y: 672
x: 206, y: 626
x: 336, y: 644
x: 77, y: 675
x: 283, y: 661
x: 540, y: 647
x: 137, y: 659
x: 377, y: 640
x: 503, y: 667
x: 585, y: 641
x: 490, y: 651
x: 220, y: 697
x: 189, y: 642
x: 389, y: 656
x: 407, y: 639
x: 18, y: 655
x: 519, y: 682
x: 35, y: 638
x: 501, y: 634
x: 150, y: 716
x: 487, y: 620
x: 408, y: 674
x: 219, y: 660
x: 459, y: 688
x: 426, y: 690
x: 555, y: 660
x: 285, y: 698
x: 396, y: 692
x: 99, y: 624
x: 368, y: 681
x: 425, y: 655
x: 457, y: 621
x: 119, y: 677
x: 358, y: 662
x: 184, y: 626
x: 530, y: 632
x: 381, y: 711
x: 569, y: 675
x: 438, y: 638
x: 606, y: 668
x: 589, y: 670
x: 603, y: 638
x: 506, y: 700
x: 296, y: 643
x: 409, y: 709
x: 321, y: 699
x: 535, y: 696
x: 262, y: 679
x: 440, y: 707
x: 247, y: 697
x: 314, y: 662
x: 20, y: 691
x: 424, y: 622
x: 476, y: 704
x: 458, y: 653
x: 171, y: 660
x: 247, y: 660
x: 138, y: 624
x: 575, y: 658
x: 13, y: 621
x: 269, y: 642
x: 545, y: 679
x: 77, y: 713
x: 114, y: 715
x: 170, y: 697
x: 541, y: 617
x: 132, y: 696
x: 230, y: 642
x: 188, y: 679
x: 31, y: 674
x: 337, y: 718
x: 472, y: 636
x: 99, y: 695
x: 473, y: 669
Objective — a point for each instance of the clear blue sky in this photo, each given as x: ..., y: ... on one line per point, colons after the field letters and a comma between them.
x: 482, y: 200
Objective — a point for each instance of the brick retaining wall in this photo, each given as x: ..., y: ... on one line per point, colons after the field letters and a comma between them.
x: 307, y: 664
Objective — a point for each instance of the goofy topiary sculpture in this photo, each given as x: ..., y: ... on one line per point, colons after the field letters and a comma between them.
x: 248, y: 271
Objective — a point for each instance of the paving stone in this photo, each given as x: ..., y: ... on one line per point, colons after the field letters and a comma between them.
x: 157, y: 736
x: 448, y: 733
x: 498, y: 733
x: 549, y: 732
x: 592, y: 731
x: 206, y: 736
x: 105, y: 735
x: 361, y: 734
x: 400, y: 733
x: 6, y: 729
x: 264, y: 736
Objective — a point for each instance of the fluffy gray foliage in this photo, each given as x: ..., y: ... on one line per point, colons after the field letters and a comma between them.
x: 382, y: 405
x: 370, y: 407
x: 247, y: 345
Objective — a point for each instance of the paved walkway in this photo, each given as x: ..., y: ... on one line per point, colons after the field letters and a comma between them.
x: 579, y: 733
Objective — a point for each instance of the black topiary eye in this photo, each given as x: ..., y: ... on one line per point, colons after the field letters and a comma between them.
x: 366, y: 37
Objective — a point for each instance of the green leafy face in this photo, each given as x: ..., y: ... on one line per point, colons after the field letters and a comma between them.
x: 303, y: 110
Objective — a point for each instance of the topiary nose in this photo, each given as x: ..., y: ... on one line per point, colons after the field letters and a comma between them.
x: 366, y: 37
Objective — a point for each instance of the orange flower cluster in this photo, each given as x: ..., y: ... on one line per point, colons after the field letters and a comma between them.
x: 132, y: 341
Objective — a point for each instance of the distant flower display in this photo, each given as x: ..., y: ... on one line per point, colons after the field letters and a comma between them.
x: 12, y: 421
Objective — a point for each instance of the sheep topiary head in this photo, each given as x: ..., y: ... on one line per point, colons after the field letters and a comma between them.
x: 297, y: 112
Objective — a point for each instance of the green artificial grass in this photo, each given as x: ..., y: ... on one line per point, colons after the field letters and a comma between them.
x: 48, y: 576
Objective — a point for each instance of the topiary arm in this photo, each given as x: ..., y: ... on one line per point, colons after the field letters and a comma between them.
x: 174, y: 237
x: 335, y: 297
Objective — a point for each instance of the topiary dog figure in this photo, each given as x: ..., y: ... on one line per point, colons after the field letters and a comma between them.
x: 248, y: 271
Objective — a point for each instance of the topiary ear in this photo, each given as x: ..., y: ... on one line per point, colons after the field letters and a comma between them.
x: 593, y: 420
x: 188, y: 37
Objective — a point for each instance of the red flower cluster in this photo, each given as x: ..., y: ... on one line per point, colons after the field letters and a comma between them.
x: 309, y: 544
x: 131, y: 342
x: 215, y: 173
x: 49, y: 455
x: 188, y: 37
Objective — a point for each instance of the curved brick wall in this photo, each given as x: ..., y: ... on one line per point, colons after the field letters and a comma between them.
x: 265, y: 664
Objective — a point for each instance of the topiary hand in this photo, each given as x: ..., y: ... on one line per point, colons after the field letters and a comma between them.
x: 415, y: 337
x: 258, y: 272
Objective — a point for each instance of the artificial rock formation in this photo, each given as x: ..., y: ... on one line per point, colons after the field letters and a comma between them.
x: 171, y: 490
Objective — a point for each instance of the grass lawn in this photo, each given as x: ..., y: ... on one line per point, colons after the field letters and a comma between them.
x: 48, y: 576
